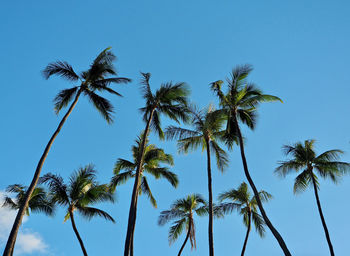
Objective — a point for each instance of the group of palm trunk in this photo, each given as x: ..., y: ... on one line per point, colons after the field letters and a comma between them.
x: 207, y: 128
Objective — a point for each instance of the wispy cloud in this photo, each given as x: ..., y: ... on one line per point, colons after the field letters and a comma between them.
x: 28, y: 242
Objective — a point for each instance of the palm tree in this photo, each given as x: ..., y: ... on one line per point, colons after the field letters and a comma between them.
x: 169, y: 100
x: 240, y: 105
x: 207, y: 131
x: 81, y: 191
x: 182, y: 210
x: 240, y: 199
x: 92, y: 80
x: 151, y: 160
x: 304, y: 159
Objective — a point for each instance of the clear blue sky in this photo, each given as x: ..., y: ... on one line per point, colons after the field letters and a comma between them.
x: 300, y: 52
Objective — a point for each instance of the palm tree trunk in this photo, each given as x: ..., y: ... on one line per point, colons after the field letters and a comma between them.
x: 187, y: 236
x: 132, y: 218
x: 77, y: 233
x: 322, y: 218
x: 210, y: 228
x: 256, y: 193
x: 12, y: 237
x: 247, y: 235
x: 133, y: 230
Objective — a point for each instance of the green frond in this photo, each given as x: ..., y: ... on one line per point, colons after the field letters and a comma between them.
x: 90, y: 212
x: 227, y: 208
x: 173, y: 132
x: 57, y: 188
x: 120, y: 178
x: 259, y: 223
x: 166, y: 216
x: 301, y: 182
x: 162, y: 172
x: 123, y: 164
x: 147, y: 191
x: 286, y: 167
x: 63, y: 98
x: 190, y: 143
x: 176, y: 230
x: 156, y: 125
x: 60, y: 68
x: 102, y: 105
x: 221, y: 156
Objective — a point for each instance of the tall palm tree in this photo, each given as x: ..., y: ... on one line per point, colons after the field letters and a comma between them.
x: 240, y: 106
x: 182, y: 210
x: 304, y: 159
x: 206, y: 133
x: 152, y: 158
x: 78, y: 194
x: 169, y: 100
x: 93, y: 80
x: 240, y: 199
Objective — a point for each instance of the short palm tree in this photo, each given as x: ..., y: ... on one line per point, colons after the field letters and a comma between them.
x: 304, y: 159
x: 38, y: 202
x: 81, y: 191
x: 207, y: 132
x: 240, y: 199
x: 240, y: 106
x: 170, y: 100
x: 93, y: 80
x: 183, y: 210
x: 152, y: 158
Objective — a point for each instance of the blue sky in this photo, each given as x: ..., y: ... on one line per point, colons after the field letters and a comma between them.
x: 299, y: 50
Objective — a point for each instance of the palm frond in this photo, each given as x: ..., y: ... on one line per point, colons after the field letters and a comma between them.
x: 221, y: 156
x: 173, y: 132
x: 162, y: 172
x: 60, y: 68
x: 58, y: 190
x: 63, y: 98
x: 102, y: 105
x: 259, y: 223
x: 90, y: 212
x: 301, y: 182
x: 166, y: 216
x: 146, y: 190
x: 176, y: 230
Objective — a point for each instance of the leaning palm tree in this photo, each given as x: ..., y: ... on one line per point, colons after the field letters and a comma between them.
x: 152, y: 158
x: 182, y: 210
x: 81, y: 191
x: 240, y: 199
x: 240, y: 106
x: 169, y: 100
x: 304, y: 159
x: 93, y: 80
x: 207, y: 132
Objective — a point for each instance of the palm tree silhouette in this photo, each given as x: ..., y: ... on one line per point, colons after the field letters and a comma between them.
x: 81, y: 191
x: 207, y: 131
x: 240, y: 106
x: 182, y: 210
x: 304, y: 159
x: 92, y: 80
x: 169, y: 100
x: 151, y: 160
x: 240, y: 199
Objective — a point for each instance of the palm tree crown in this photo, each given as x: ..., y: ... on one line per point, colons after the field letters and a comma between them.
x: 182, y: 210
x: 241, y: 199
x: 93, y: 80
x: 151, y: 160
x: 304, y: 159
x: 81, y: 191
x: 38, y: 202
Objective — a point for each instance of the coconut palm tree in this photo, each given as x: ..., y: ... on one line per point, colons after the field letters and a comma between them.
x: 168, y: 100
x: 78, y: 194
x: 240, y: 199
x: 152, y: 158
x: 183, y: 211
x: 240, y: 106
x: 38, y: 202
x: 305, y: 160
x: 206, y: 133
x: 95, y: 79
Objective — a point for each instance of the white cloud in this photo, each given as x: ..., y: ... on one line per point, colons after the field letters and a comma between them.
x: 28, y: 242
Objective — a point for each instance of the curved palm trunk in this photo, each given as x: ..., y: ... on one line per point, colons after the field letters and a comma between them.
x: 210, y: 227
x: 77, y: 234
x: 12, y: 237
x: 247, y: 235
x: 256, y: 193
x: 132, y: 210
x: 187, y: 236
x: 322, y: 218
